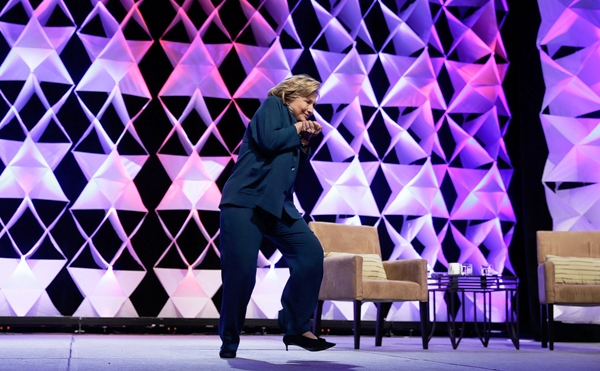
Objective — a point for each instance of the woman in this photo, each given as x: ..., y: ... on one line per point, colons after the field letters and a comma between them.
x: 257, y: 203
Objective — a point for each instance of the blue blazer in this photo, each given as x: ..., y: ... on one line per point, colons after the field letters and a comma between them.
x: 268, y: 162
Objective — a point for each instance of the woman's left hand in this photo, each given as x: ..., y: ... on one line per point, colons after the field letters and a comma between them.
x: 317, y: 128
x: 311, y: 127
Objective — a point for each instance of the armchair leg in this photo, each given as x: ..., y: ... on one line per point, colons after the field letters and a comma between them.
x: 424, y: 313
x: 382, y: 311
x: 543, y: 326
x: 316, y: 325
x: 357, y: 315
x: 550, y: 310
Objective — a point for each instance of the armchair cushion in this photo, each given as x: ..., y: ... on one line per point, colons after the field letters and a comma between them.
x: 372, y: 268
x: 391, y: 291
x: 575, y: 270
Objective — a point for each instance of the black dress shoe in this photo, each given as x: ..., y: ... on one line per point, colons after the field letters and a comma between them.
x: 312, y: 345
x: 227, y: 353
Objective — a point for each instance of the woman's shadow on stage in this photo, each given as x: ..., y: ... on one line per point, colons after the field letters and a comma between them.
x: 252, y: 364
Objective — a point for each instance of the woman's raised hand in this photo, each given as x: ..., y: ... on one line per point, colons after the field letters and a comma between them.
x: 314, y: 127
x: 308, y: 128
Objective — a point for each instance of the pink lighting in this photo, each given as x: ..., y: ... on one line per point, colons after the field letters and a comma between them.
x: 149, y: 118
x: 568, y: 45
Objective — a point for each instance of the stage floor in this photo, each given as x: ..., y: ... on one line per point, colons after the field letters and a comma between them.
x: 41, y: 351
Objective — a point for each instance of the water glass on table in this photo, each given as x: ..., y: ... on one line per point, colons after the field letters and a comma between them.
x: 467, y: 269
x: 486, y: 270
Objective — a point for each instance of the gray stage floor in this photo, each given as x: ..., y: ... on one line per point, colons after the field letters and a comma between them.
x: 267, y: 352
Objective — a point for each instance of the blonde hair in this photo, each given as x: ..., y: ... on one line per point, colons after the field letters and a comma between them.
x: 297, y: 86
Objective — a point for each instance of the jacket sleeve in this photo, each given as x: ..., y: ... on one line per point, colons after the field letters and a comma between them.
x: 271, y: 128
x: 305, y: 160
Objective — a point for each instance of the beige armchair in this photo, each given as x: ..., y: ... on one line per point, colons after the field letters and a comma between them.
x: 568, y: 274
x: 346, y: 278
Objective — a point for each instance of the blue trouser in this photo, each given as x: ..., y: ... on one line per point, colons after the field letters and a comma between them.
x: 242, y: 233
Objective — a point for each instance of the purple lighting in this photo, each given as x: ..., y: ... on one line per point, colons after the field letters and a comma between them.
x: 570, y: 116
x: 414, y: 116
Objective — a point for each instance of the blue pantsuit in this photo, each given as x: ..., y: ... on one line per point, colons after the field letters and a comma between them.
x: 257, y: 203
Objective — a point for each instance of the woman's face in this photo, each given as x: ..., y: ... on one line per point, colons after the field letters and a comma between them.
x: 302, y: 107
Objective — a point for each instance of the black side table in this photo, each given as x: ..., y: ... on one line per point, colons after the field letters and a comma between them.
x: 457, y: 286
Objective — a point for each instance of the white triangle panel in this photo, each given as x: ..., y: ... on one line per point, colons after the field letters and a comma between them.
x: 43, y: 307
x: 86, y: 309
x: 169, y: 310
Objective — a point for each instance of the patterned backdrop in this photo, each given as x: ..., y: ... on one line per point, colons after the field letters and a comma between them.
x: 568, y: 42
x: 121, y: 119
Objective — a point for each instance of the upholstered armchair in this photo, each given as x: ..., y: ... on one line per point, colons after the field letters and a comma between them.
x: 353, y: 271
x: 568, y: 274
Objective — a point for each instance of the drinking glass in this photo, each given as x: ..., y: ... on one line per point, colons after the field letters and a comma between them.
x: 485, y: 270
x: 467, y: 269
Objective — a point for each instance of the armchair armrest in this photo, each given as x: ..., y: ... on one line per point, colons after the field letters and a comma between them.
x: 546, y: 282
x: 413, y: 270
x: 342, y: 278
